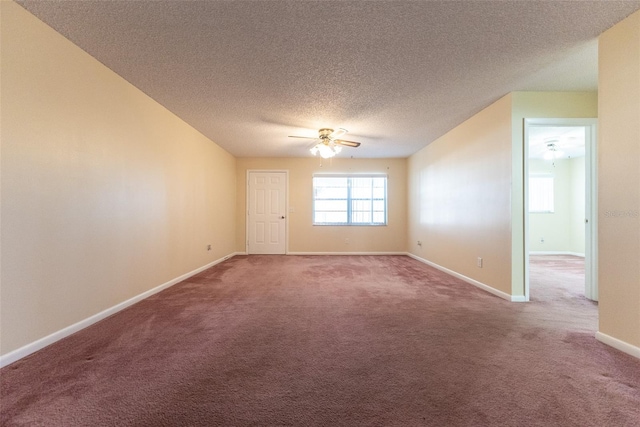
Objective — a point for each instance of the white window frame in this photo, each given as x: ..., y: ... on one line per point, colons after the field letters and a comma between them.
x: 349, y: 200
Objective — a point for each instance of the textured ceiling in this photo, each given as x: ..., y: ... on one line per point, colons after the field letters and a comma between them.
x: 396, y: 74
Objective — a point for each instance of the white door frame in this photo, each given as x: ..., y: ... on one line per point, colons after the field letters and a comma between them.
x: 591, y: 200
x: 286, y: 205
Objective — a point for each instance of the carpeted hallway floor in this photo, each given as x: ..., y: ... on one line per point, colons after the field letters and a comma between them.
x: 555, y: 277
x: 332, y: 341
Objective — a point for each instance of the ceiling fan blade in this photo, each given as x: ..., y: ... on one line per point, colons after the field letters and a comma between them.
x: 347, y: 143
x: 337, y: 133
x: 313, y: 144
x: 303, y: 137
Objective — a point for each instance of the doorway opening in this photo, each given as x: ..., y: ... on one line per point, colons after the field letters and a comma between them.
x: 560, y: 203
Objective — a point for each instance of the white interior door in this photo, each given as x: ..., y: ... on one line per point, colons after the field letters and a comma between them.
x: 266, y: 213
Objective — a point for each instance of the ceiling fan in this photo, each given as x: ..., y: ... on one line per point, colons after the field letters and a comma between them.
x: 329, y: 143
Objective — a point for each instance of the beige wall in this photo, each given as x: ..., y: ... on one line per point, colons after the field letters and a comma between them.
x: 459, y: 205
x: 105, y: 194
x: 466, y: 189
x: 562, y: 230
x: 305, y: 237
x: 619, y: 181
x: 536, y: 105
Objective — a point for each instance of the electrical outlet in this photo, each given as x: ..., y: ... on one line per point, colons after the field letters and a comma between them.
x: 208, y: 247
x: 419, y: 243
x: 479, y: 262
x: 346, y: 241
x: 542, y: 240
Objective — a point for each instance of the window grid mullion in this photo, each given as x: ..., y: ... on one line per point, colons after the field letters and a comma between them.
x: 349, y: 202
x: 371, y: 202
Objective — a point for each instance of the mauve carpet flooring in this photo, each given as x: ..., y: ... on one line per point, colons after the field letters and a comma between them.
x: 334, y: 341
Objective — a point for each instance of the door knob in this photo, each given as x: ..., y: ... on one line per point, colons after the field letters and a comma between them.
x: 282, y: 217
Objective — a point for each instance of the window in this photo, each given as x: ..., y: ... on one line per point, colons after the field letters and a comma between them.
x: 350, y: 200
x: 541, y: 194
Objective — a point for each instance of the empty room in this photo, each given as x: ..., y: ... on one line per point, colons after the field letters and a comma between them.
x: 319, y: 213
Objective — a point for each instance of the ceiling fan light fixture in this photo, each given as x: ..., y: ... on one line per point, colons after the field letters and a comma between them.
x: 325, y: 150
x: 327, y: 142
x: 552, y: 151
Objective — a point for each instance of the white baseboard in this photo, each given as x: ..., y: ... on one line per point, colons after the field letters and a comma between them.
x: 346, y: 253
x: 28, y: 349
x: 556, y: 253
x: 623, y: 346
x: 487, y: 288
